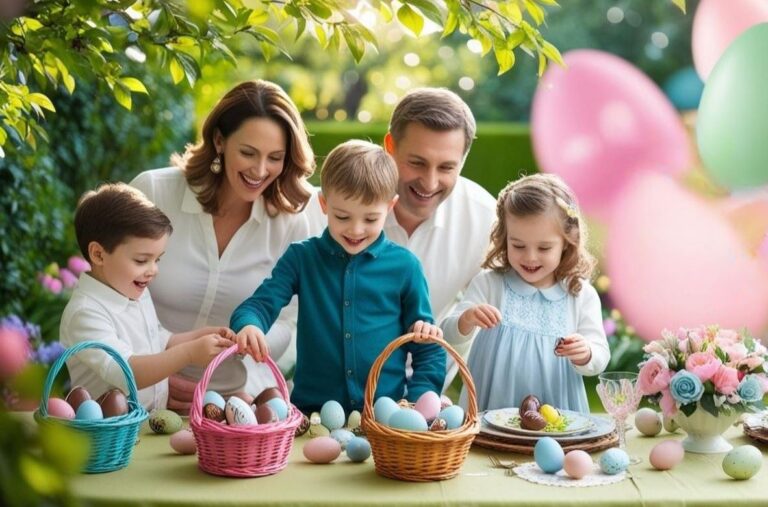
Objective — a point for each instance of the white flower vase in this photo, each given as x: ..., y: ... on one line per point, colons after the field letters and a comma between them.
x: 705, y: 431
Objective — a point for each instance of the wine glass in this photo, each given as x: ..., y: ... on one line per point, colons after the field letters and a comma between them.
x: 620, y: 397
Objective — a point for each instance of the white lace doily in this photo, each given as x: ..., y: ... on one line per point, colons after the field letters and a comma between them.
x: 532, y: 473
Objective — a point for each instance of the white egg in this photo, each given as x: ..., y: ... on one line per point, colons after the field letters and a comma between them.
x: 238, y: 412
x: 648, y: 422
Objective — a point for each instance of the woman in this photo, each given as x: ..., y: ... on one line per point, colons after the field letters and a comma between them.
x: 234, y: 201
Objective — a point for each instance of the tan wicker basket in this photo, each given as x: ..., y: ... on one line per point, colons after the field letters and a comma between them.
x: 419, y: 455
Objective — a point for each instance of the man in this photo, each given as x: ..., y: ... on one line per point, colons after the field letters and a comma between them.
x: 442, y: 217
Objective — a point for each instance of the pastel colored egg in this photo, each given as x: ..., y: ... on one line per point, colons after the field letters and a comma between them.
x: 318, y: 430
x: 89, y: 410
x: 353, y: 421
x: 383, y: 409
x: 666, y: 455
x: 358, y: 449
x: 670, y: 424
x: 614, y: 461
x: 238, y: 412
x: 215, y: 398
x: 408, y: 419
x: 60, y: 408
x: 184, y: 442
x: 743, y: 462
x: 548, y: 455
x: 279, y: 406
x: 165, y: 422
x: 648, y: 422
x: 332, y: 415
x: 342, y: 436
x: 453, y: 416
x: 322, y: 450
x: 76, y: 396
x: 577, y: 464
x: 428, y: 405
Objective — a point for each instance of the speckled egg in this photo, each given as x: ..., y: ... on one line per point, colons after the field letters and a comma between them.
x: 453, y: 416
x: 322, y: 450
x: 279, y: 406
x: 214, y: 398
x: 743, y: 462
x: 408, y: 419
x: 548, y: 455
x: 60, y: 408
x: 358, y: 449
x: 303, y: 426
x: 164, y: 421
x: 383, y: 409
x: 614, y: 461
x: 238, y: 412
x: 332, y: 415
x: 428, y: 405
x: 353, y: 421
x: 183, y: 442
x: 314, y: 418
x: 666, y: 455
x: 342, y: 436
x: 577, y: 464
x: 670, y: 424
x: 214, y: 412
x: 89, y: 410
x: 648, y: 422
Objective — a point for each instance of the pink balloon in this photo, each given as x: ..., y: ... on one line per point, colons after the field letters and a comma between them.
x: 598, y: 121
x: 717, y: 23
x: 674, y: 260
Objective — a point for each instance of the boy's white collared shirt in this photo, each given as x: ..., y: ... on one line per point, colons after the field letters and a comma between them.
x: 96, y: 312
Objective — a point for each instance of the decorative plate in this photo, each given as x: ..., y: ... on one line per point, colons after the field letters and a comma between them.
x: 508, y: 419
x: 601, y: 426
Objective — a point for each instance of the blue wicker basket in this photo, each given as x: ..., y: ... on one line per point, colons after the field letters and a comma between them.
x: 112, y: 439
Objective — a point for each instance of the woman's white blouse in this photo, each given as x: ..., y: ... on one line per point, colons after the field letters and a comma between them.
x: 195, y: 287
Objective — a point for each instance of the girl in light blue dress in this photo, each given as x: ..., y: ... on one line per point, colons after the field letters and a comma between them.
x: 535, y: 319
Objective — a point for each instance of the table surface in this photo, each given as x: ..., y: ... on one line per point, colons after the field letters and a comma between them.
x: 159, y: 476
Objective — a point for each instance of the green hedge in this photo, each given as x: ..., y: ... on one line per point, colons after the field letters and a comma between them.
x: 501, y: 152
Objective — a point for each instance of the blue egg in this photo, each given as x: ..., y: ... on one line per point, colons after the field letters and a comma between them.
x: 89, y: 409
x: 548, y: 455
x: 384, y: 408
x: 358, y: 449
x: 215, y: 398
x: 408, y: 419
x: 453, y: 416
x: 279, y: 406
x: 332, y: 415
x: 614, y: 461
x: 342, y: 436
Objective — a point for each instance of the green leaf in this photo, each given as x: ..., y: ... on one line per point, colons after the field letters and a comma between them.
x: 542, y: 64
x: 536, y: 12
x: 428, y: 9
x: 134, y: 85
x: 386, y: 12
x: 267, y: 50
x: 512, y: 11
x: 708, y: 404
x: 191, y: 70
x: 354, y: 43
x: 515, y: 39
x: 505, y: 58
x: 258, y: 17
x: 451, y: 22
x: 319, y: 9
x: 177, y: 71
x: 410, y: 19
x: 688, y: 409
x: 301, y: 25
x: 321, y: 36
x: 552, y: 53
x: 228, y: 54
x: 122, y: 95
x: 42, y: 101
x: 485, y: 42
x: 680, y: 4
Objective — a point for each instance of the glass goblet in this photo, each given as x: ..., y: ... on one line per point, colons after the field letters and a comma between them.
x: 620, y: 397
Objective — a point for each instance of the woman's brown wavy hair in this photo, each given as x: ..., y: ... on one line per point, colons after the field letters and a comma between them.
x: 252, y: 99
x: 534, y: 195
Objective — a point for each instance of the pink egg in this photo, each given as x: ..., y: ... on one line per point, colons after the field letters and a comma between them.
x: 184, y: 442
x: 666, y: 454
x: 322, y: 450
x: 428, y: 405
x: 577, y: 464
x: 60, y: 408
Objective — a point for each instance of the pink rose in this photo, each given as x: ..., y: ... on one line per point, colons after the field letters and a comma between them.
x: 654, y: 376
x: 703, y: 364
x: 667, y: 403
x: 726, y: 379
x: 735, y: 351
x: 750, y: 362
x: 67, y: 278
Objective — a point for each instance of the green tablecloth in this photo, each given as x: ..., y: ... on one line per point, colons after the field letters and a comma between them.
x: 159, y: 476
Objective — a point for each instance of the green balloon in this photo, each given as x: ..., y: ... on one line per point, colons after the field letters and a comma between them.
x: 732, y: 126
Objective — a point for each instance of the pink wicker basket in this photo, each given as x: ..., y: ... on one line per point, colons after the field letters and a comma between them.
x: 242, y: 451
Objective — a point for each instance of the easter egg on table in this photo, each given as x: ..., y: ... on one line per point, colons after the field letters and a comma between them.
x: 614, y: 461
x: 303, y: 426
x: 164, y: 421
x: 358, y: 449
x: 577, y: 464
x: 342, y: 436
x: 743, y: 462
x: 332, y: 415
x: 548, y: 455
x: 670, y: 424
x: 666, y: 455
x: 183, y: 442
x: 354, y: 419
x: 322, y: 450
x: 648, y: 422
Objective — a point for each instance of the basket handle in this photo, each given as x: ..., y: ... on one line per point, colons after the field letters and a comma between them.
x: 373, y: 375
x: 74, y: 349
x: 196, y: 410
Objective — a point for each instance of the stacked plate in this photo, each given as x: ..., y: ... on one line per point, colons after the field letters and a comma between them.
x: 500, y: 430
x: 756, y: 426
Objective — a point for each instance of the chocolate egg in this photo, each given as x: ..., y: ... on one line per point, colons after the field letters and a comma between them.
x: 265, y: 414
x: 113, y: 403
x: 247, y: 398
x: 213, y: 412
x: 267, y: 394
x: 438, y: 425
x: 303, y: 426
x: 532, y: 420
x: 530, y: 402
x: 76, y: 396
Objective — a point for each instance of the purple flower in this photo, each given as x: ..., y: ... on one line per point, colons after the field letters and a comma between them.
x: 609, y: 325
x: 68, y: 278
x: 78, y: 265
x: 47, y: 353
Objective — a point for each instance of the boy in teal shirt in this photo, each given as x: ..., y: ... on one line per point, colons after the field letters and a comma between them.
x: 357, y: 292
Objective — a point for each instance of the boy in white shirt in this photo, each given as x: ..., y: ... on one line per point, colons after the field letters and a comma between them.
x: 123, y: 235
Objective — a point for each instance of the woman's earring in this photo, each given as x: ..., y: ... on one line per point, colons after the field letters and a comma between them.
x: 216, y: 165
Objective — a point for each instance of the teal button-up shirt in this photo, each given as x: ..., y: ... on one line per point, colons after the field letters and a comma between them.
x: 350, y: 308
